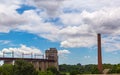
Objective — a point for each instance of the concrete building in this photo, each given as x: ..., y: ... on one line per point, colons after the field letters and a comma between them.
x: 52, y: 54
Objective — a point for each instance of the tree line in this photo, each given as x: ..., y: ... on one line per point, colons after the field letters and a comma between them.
x: 22, y: 67
x: 88, y: 69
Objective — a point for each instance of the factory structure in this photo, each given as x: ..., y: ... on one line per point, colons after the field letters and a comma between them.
x: 50, y: 60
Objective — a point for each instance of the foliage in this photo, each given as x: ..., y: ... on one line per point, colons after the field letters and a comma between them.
x: 115, y: 69
x: 24, y: 68
x: 63, y: 73
x: 6, y: 69
x: 53, y: 70
x: 45, y: 73
x: 88, y: 69
x: 72, y: 69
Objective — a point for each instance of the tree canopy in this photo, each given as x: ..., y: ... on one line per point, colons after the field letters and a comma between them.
x: 22, y: 67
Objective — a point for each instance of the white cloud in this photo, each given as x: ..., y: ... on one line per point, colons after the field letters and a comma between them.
x: 79, y: 29
x: 111, y: 43
x: 86, y: 57
x: 29, y: 21
x: 22, y: 49
x: 1, y: 54
x: 60, y: 52
x: 79, y: 42
x: 35, y: 24
x: 50, y: 6
x: 90, y: 5
x: 77, y: 36
x: 105, y: 21
x: 101, y: 21
x: 63, y: 53
x: 5, y: 41
x: 6, y: 17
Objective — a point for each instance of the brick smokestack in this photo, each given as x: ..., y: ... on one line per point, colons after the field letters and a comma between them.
x: 99, y: 53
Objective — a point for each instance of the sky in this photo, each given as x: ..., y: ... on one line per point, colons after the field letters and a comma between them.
x: 71, y: 26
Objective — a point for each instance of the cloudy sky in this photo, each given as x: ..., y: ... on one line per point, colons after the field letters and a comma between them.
x: 71, y: 26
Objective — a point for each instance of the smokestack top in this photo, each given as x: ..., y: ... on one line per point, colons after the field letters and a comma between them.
x: 99, y: 33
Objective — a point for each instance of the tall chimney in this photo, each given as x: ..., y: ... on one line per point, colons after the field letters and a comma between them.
x: 99, y: 53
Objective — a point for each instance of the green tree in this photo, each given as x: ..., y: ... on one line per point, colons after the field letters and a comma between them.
x: 6, y: 69
x: 22, y: 67
x: 45, y: 73
x: 115, y: 69
x: 53, y: 70
x: 42, y: 73
x: 74, y: 72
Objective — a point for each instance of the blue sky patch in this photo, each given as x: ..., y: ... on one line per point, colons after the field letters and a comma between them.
x: 24, y: 8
